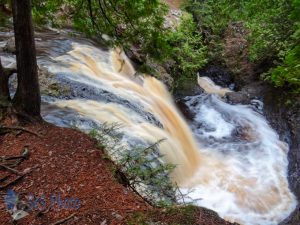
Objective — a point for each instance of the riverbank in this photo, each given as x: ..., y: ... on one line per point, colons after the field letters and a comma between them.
x: 66, y: 164
x: 280, y: 108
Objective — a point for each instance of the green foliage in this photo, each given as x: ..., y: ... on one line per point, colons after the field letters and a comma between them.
x: 127, y: 23
x: 273, y: 32
x: 55, y: 13
x: 271, y: 28
x: 288, y: 74
x: 140, y: 168
x: 172, y: 215
x: 132, y: 23
x: 143, y: 167
x: 212, y: 19
x: 188, y: 50
x: 267, y: 20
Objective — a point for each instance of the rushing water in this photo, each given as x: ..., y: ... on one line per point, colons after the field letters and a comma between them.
x: 228, y: 155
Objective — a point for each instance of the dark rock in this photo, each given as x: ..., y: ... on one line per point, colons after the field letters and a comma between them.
x: 284, y: 116
x: 10, y: 46
x: 238, y: 98
x: 161, y: 73
x: 254, y: 90
x: 135, y: 55
x: 187, y: 88
x: 184, y: 109
x: 283, y: 113
x: 293, y: 219
x: 219, y: 75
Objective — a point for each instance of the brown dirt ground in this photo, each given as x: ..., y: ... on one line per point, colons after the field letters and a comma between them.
x: 67, y: 162
x: 175, y: 4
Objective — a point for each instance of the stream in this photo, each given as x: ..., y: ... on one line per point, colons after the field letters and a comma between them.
x: 227, y: 157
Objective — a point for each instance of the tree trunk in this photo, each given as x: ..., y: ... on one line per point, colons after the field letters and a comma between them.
x: 27, y: 100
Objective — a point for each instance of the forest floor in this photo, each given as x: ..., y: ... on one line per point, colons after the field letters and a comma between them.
x: 175, y: 4
x: 71, y: 181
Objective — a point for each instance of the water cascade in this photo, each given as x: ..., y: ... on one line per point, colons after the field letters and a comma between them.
x: 229, y: 156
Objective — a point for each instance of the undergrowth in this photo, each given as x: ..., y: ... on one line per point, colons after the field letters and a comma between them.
x: 140, y: 168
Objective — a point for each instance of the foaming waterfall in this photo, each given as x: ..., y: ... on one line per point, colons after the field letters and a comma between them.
x: 210, y: 87
x: 228, y: 155
x: 118, y: 76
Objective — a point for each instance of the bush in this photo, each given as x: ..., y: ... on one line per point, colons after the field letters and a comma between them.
x: 188, y: 50
x: 140, y: 168
x: 212, y: 18
x: 274, y: 33
x: 287, y: 75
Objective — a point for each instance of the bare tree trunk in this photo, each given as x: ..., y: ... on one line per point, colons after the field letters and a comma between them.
x: 27, y: 100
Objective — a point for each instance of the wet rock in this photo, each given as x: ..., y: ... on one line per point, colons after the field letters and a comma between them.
x: 188, y: 88
x: 49, y: 85
x: 293, y: 219
x: 283, y: 113
x: 219, y: 75
x: 166, y: 78
x: 284, y: 116
x: 135, y: 55
x: 184, y: 109
x: 10, y: 46
x: 248, y: 93
x: 162, y: 74
x: 238, y: 98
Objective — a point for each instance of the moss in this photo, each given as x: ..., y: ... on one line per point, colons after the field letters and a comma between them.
x: 174, y: 215
x: 54, y: 89
x: 138, y: 218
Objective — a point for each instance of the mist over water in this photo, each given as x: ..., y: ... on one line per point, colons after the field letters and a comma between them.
x: 228, y: 155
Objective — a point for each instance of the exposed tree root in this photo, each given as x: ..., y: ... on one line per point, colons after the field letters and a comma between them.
x: 13, y: 161
x: 19, y: 177
x: 4, y: 178
x: 11, y: 182
x: 6, y: 129
x: 11, y: 170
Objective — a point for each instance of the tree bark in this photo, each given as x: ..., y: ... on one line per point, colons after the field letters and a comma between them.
x: 27, y: 100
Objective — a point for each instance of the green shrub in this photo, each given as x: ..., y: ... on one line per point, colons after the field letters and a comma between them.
x: 287, y: 75
x: 140, y: 168
x: 273, y: 33
x: 188, y: 50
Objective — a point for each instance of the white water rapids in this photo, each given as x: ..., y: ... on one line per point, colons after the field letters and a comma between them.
x: 229, y: 155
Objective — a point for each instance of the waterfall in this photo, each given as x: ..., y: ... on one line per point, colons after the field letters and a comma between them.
x: 228, y: 156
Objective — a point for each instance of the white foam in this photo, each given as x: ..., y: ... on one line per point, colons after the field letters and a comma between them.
x: 236, y: 164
